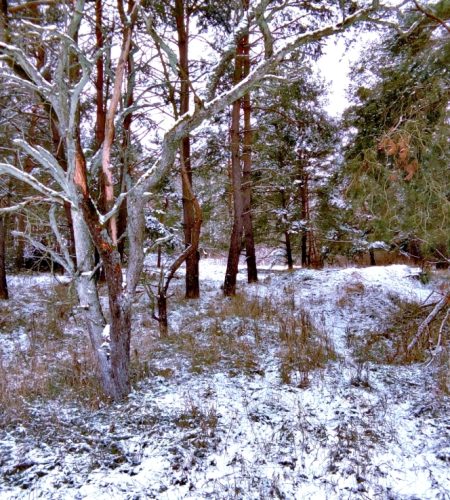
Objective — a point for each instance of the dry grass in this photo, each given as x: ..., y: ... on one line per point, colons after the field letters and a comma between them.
x: 389, y: 344
x: 235, y: 334
x: 349, y: 292
x: 304, y: 348
x: 47, y: 363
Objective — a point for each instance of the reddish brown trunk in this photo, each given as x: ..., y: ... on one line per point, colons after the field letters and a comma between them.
x: 99, y: 79
x: 128, y: 22
x: 100, y: 99
x: 120, y: 308
x: 304, y: 211
x: 229, y: 287
x: 164, y: 286
x: 252, y: 272
x: 192, y: 261
x: 162, y: 315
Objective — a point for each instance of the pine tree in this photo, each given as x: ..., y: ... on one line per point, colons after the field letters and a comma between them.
x: 396, y: 172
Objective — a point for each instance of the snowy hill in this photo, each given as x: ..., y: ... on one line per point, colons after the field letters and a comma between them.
x: 273, y: 394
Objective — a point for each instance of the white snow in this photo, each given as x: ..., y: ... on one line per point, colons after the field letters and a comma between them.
x: 222, y: 433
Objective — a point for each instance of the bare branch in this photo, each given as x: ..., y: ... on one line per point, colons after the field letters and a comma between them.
x: 19, y: 57
x: 60, y: 240
x: 264, y: 28
x: 430, y: 15
x: 20, y: 206
x: 27, y: 5
x: 424, y: 325
x: 55, y: 196
x: 171, y: 56
x: 44, y: 249
x: 47, y: 160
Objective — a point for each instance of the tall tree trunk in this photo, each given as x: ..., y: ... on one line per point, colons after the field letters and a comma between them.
x: 252, y: 273
x: 124, y: 167
x: 229, y: 287
x: 192, y: 261
x: 165, y: 281
x: 99, y: 82
x: 128, y: 22
x: 3, y: 284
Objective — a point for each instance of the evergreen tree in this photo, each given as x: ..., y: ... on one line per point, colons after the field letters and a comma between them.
x: 295, y: 140
x: 396, y: 175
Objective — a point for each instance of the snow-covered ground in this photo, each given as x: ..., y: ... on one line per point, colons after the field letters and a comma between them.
x: 215, y: 418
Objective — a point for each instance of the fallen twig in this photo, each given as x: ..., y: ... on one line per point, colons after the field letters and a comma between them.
x: 424, y: 325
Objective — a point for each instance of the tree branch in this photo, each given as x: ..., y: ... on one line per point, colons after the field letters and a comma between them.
x: 424, y: 325
x: 44, y: 249
x: 55, y: 196
x: 430, y: 15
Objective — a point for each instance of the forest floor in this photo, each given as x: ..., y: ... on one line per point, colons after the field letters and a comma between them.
x: 297, y: 388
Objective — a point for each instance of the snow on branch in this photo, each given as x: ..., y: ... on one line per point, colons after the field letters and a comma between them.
x: 423, y: 328
x: 44, y: 249
x: 61, y: 242
x: 54, y: 196
x: 20, y: 206
x: 47, y: 160
x: 190, y: 121
x: 172, y: 57
x: 264, y: 27
x: 18, y: 57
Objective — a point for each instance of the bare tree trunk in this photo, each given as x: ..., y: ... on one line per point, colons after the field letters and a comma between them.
x: 229, y: 287
x: 164, y: 283
x: 162, y: 315
x: 372, y: 257
x: 304, y: 211
x: 124, y: 170
x: 252, y: 272
x: 99, y: 79
x: 3, y: 284
x: 290, y: 260
x: 192, y: 261
x: 287, y: 236
x: 115, y: 370
x: 112, y: 109
x: 19, y: 250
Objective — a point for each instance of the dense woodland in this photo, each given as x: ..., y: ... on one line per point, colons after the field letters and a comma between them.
x: 189, y: 127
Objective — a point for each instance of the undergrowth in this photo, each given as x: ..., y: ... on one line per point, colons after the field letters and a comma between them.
x: 232, y: 335
x: 389, y: 344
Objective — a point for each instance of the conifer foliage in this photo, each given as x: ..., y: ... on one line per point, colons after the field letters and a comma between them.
x: 396, y: 174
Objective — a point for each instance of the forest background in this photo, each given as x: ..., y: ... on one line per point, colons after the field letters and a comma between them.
x: 185, y: 127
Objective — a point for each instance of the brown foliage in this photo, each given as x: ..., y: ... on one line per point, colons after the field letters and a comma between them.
x: 398, y: 146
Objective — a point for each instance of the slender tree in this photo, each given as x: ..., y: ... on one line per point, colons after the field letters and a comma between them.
x: 182, y: 18
x: 3, y: 224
